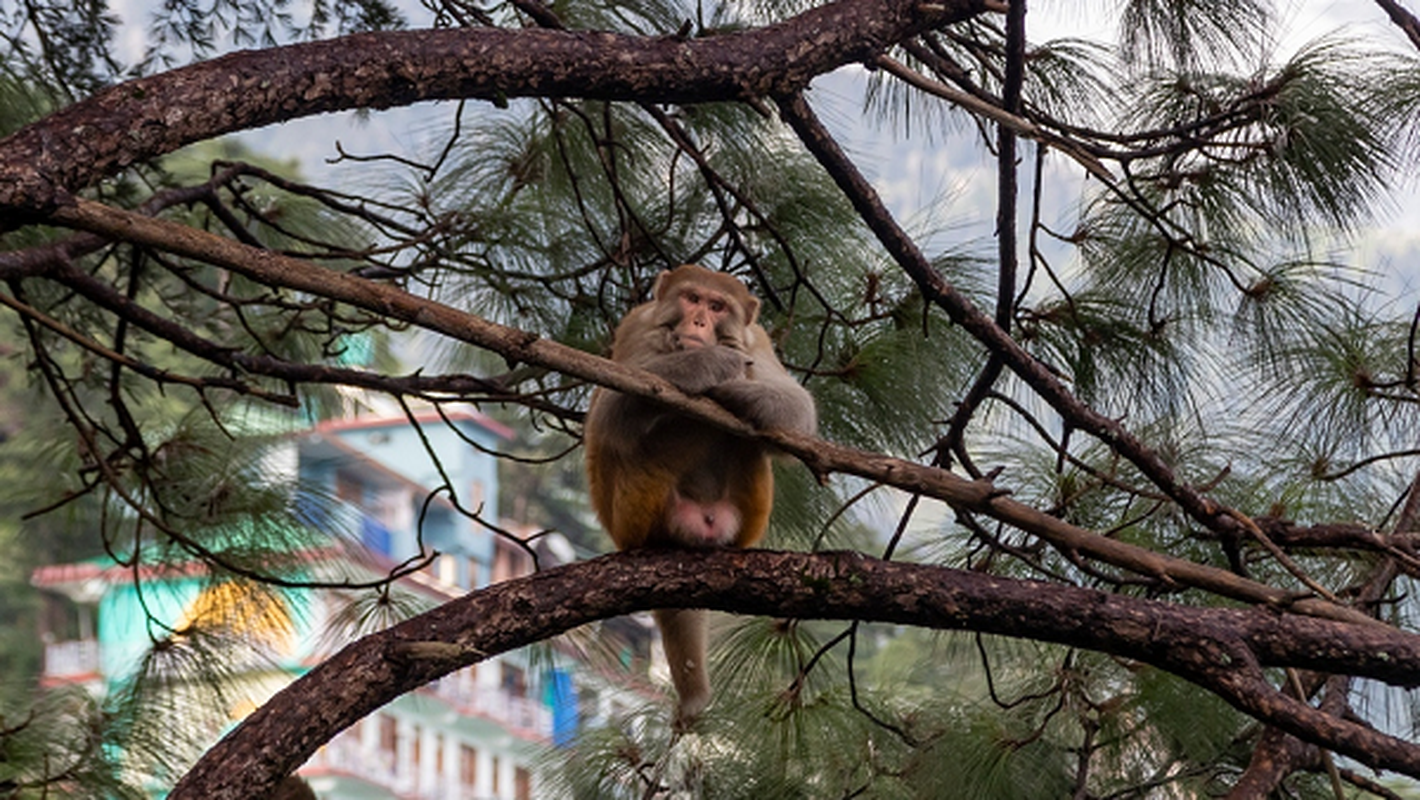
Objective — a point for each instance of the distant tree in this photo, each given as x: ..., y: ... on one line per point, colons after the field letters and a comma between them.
x: 1175, y: 424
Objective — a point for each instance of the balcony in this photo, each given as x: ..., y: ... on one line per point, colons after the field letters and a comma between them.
x: 521, y: 715
x: 74, y: 660
x: 343, y: 757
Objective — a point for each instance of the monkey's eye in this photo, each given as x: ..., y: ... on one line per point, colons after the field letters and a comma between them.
x: 717, y: 306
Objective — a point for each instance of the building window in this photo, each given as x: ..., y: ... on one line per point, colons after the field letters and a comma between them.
x: 495, y: 776
x: 589, y: 702
x: 349, y: 489
x: 415, y: 749
x: 509, y: 561
x: 522, y: 784
x: 389, y: 735
x: 439, y: 756
x: 468, y: 766
x: 394, y: 508
x: 514, y: 681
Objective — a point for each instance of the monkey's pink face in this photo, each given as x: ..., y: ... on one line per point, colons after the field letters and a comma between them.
x: 702, y: 311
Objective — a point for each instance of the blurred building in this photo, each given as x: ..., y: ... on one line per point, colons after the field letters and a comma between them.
x: 476, y: 733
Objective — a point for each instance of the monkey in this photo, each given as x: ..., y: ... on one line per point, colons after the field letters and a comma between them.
x: 658, y: 479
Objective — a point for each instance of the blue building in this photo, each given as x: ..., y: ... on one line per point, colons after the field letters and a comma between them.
x: 474, y: 734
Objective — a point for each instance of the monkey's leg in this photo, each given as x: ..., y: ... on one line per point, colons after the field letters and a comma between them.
x: 683, y: 635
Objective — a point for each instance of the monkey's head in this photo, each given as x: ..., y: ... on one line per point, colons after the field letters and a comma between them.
x: 702, y: 307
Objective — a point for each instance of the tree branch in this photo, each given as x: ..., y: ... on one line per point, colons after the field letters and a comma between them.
x: 1277, y: 754
x: 822, y: 457
x: 800, y: 116
x: 1223, y: 650
x: 1403, y: 19
x: 147, y: 117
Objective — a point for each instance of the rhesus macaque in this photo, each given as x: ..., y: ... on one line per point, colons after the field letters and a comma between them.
x: 658, y: 479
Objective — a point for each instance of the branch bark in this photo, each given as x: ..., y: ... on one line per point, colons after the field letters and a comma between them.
x: 148, y: 117
x: 1277, y: 754
x: 1403, y: 19
x: 1223, y: 650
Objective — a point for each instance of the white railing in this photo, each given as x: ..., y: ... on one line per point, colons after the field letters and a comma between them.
x: 71, y: 659
x: 344, y: 755
x: 524, y: 716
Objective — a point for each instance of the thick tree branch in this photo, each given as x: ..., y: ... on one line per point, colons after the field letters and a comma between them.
x: 1277, y: 754
x: 1221, y: 649
x: 148, y: 117
x: 523, y: 347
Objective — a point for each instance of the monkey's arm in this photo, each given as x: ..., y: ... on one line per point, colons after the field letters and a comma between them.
x: 767, y: 395
x: 622, y: 420
x: 769, y: 404
x: 697, y: 370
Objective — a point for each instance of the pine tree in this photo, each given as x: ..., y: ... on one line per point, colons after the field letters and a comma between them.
x: 1137, y: 436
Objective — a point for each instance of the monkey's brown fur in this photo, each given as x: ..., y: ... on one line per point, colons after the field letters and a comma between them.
x: 660, y: 480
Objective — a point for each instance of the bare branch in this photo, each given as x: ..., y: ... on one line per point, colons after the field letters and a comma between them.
x: 1403, y: 18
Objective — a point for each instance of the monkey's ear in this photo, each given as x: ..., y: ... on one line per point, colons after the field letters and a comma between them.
x: 751, y: 309
x: 662, y: 282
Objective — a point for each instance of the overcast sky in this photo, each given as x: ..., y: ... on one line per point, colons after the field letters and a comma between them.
x: 911, y: 172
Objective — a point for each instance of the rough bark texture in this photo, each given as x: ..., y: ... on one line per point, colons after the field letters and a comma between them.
x: 144, y: 118
x: 1221, y: 649
x: 1276, y: 754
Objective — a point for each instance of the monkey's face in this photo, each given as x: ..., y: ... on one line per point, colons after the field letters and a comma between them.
x: 705, y: 315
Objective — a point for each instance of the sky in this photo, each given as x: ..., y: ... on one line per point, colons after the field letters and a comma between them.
x: 913, y: 173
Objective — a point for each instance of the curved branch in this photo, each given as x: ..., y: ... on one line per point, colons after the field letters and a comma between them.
x: 151, y: 116
x: 1221, y: 649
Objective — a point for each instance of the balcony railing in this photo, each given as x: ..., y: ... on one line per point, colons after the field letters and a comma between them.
x: 520, y: 714
x: 344, y: 755
x: 72, y: 659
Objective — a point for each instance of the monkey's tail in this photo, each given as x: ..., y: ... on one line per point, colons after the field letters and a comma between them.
x: 683, y: 635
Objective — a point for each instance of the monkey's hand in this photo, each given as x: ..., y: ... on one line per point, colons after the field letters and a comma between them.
x: 768, y: 404
x: 697, y: 370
